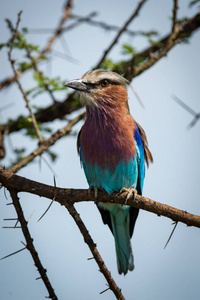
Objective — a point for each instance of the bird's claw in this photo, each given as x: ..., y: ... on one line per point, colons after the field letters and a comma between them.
x: 95, y: 193
x: 130, y: 193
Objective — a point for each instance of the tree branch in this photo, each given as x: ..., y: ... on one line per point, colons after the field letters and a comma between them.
x: 156, y: 52
x: 133, y: 16
x: 56, y: 111
x: 12, y: 62
x: 175, y: 8
x: 46, y: 144
x: 58, y: 30
x: 88, y: 20
x: 88, y: 240
x: 71, y: 196
x: 30, y: 245
x: 48, y: 47
x: 59, y: 110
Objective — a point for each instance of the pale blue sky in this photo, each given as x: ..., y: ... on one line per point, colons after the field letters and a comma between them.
x: 173, y: 179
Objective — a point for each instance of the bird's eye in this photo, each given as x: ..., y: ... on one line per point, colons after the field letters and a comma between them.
x: 104, y: 83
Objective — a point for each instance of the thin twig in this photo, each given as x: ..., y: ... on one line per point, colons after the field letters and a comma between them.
x: 174, y: 19
x: 2, y: 148
x: 47, y: 48
x: 48, y: 114
x: 88, y: 20
x: 18, y: 82
x: 58, y: 30
x: 46, y: 144
x: 40, y: 74
x: 70, y: 196
x: 135, y: 13
x: 106, y: 26
x: 30, y: 246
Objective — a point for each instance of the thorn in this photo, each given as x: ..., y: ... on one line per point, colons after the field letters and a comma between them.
x: 13, y: 253
x: 54, y: 179
x: 24, y: 244
x: 137, y: 96
x: 90, y: 258
x: 5, y: 193
x: 46, y: 210
x: 11, y: 227
x: 105, y: 290
x: 30, y: 216
x: 48, y: 164
x: 183, y: 105
x: 16, y: 223
x: 171, y: 233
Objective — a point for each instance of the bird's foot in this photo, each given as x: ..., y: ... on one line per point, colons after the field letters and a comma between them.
x: 95, y: 193
x: 130, y: 193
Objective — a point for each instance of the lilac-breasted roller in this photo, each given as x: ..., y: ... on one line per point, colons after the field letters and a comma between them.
x: 113, y: 149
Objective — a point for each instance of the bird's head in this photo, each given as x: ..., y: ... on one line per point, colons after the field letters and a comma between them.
x: 100, y: 88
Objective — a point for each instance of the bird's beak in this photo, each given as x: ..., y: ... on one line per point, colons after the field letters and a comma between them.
x: 77, y: 84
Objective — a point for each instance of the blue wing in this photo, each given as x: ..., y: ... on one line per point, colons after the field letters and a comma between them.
x: 140, y: 160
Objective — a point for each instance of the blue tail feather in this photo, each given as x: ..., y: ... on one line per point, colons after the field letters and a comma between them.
x: 123, y: 247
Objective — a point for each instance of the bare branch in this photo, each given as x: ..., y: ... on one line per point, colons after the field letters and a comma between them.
x: 2, y: 148
x: 6, y: 82
x: 88, y: 20
x: 88, y: 240
x: 175, y: 8
x: 133, y: 16
x: 30, y: 246
x: 67, y: 28
x: 18, y: 82
x: 71, y: 196
x: 58, y: 30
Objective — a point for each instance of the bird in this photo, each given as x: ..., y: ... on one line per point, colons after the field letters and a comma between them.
x: 113, y: 149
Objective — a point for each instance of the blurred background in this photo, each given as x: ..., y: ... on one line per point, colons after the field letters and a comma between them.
x: 172, y: 179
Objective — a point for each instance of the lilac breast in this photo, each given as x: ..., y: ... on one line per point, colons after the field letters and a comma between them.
x: 107, y: 138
